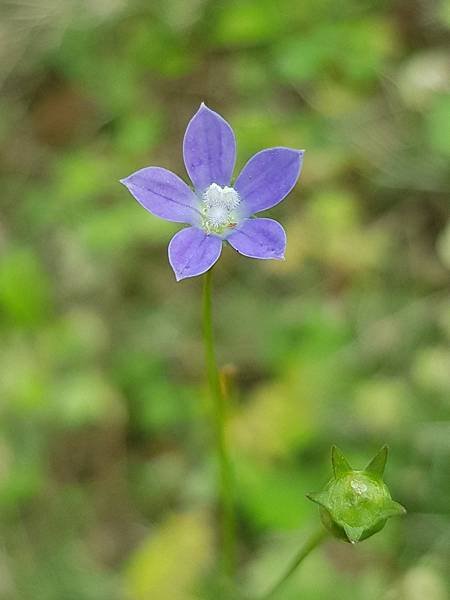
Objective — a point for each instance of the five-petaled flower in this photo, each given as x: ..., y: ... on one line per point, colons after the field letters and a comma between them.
x: 215, y: 211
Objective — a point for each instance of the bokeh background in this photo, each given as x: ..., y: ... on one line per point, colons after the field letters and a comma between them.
x: 107, y: 485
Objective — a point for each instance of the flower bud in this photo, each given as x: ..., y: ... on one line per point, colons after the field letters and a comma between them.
x: 356, y: 504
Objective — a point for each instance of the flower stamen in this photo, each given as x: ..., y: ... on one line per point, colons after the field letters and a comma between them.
x: 219, y: 208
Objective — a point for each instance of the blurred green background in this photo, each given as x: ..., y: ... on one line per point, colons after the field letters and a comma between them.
x: 107, y: 487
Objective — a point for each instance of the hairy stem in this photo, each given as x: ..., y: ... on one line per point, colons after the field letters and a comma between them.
x: 219, y: 417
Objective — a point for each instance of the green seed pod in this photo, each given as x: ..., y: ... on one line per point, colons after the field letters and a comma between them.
x: 356, y: 504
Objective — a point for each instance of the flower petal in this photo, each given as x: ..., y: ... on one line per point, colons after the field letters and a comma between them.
x: 163, y: 194
x: 259, y: 238
x: 209, y: 149
x: 268, y: 177
x: 192, y: 252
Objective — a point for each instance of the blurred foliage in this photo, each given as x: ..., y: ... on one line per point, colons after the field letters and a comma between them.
x: 107, y: 486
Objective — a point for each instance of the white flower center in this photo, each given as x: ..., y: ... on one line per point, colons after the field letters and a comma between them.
x: 219, y: 208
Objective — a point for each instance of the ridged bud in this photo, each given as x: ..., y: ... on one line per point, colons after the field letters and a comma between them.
x: 356, y: 504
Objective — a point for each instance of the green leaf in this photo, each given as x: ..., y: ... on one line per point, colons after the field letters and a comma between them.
x: 319, y: 498
x: 353, y: 533
x: 340, y: 463
x: 378, y: 463
x: 393, y: 509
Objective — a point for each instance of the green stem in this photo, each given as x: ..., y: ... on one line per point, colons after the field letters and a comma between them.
x: 219, y: 415
x: 311, y: 543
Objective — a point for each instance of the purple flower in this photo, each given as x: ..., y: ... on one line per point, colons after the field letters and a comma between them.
x: 215, y: 211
